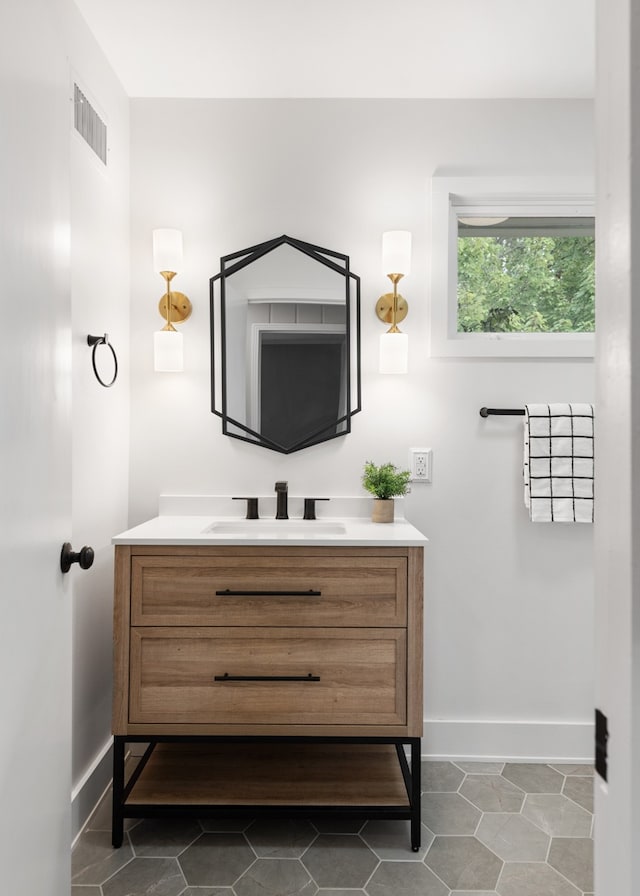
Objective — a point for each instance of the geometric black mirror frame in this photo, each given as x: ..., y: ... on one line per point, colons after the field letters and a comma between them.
x: 285, y: 386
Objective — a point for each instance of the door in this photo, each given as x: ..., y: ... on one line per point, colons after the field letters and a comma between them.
x: 35, y: 438
x: 617, y: 523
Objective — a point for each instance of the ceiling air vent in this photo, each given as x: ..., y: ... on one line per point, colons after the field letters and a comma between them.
x: 89, y: 125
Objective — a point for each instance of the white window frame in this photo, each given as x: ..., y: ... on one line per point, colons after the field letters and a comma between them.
x: 542, y: 196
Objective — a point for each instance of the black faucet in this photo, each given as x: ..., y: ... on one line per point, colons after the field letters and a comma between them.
x: 281, y: 506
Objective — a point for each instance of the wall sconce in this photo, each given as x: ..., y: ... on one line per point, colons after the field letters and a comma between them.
x: 174, y: 307
x: 391, y: 308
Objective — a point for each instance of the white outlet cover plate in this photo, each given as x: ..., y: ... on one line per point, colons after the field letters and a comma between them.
x: 428, y: 452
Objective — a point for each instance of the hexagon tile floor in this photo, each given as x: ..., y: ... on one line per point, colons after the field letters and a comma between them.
x: 488, y: 829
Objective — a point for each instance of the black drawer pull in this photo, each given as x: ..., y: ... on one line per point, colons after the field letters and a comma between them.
x: 228, y: 593
x: 227, y: 677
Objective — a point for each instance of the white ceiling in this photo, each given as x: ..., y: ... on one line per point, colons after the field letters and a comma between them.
x: 348, y: 48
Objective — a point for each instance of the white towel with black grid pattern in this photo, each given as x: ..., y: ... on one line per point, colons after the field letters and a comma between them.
x: 558, y: 462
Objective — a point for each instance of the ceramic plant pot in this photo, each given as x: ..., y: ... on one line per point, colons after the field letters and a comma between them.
x: 382, y: 510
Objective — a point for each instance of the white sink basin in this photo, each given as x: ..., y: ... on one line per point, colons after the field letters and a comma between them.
x: 276, y: 528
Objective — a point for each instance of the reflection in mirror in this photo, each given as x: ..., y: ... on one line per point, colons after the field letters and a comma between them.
x: 285, y: 342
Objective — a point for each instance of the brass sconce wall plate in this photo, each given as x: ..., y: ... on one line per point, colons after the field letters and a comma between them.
x: 384, y: 308
x: 179, y: 310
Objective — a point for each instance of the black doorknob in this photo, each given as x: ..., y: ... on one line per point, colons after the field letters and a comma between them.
x: 68, y: 556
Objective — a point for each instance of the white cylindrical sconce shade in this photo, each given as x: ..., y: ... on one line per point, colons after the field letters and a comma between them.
x: 394, y: 353
x: 396, y: 252
x: 168, y: 356
x: 167, y: 250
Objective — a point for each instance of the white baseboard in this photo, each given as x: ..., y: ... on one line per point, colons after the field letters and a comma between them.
x: 514, y: 741
x: 88, y: 792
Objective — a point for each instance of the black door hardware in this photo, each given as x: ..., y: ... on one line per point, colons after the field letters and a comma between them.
x: 68, y: 556
x: 602, y: 736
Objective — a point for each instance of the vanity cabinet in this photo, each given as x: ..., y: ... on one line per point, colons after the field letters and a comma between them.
x: 263, y: 677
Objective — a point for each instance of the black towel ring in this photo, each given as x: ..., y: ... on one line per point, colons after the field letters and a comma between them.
x: 95, y: 341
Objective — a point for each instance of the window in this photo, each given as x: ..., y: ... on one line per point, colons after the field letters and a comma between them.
x: 513, y: 267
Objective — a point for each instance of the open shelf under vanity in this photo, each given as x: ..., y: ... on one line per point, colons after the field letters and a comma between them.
x: 208, y: 777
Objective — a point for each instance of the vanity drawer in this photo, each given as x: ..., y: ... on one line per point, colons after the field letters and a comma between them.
x: 300, y: 676
x: 270, y: 590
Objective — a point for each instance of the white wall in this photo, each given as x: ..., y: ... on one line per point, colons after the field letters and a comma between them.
x: 100, y: 437
x: 508, y: 605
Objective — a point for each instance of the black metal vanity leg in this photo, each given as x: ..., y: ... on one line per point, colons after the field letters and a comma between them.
x: 416, y: 788
x: 117, y: 815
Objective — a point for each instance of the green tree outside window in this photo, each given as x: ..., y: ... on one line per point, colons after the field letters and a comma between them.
x: 525, y: 284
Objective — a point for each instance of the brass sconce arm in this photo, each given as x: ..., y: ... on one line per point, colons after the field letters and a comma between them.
x: 392, y: 308
x: 173, y: 306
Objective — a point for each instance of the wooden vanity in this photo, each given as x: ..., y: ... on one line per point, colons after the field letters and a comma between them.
x: 277, y: 678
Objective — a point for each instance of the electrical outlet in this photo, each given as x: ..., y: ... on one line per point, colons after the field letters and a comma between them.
x: 420, y: 464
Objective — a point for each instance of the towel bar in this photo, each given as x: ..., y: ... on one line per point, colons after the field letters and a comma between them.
x: 506, y: 412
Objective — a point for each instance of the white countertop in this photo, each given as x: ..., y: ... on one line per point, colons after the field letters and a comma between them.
x: 174, y: 526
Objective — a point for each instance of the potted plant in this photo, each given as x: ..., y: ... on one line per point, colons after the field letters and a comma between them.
x: 384, y: 482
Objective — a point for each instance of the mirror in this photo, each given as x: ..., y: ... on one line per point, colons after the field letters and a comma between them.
x: 285, y: 344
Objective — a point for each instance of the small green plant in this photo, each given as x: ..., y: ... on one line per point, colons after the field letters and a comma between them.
x: 385, y: 481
